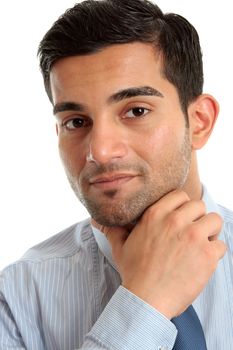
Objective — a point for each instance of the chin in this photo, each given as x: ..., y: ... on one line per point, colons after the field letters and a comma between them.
x: 115, y: 219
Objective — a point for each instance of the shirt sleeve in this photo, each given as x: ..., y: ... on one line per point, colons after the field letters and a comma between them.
x: 129, y: 323
x: 10, y: 337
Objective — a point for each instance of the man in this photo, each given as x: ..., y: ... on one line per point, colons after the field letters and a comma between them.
x: 125, y: 82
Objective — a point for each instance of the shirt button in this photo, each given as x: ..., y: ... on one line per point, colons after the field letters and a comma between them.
x: 162, y: 348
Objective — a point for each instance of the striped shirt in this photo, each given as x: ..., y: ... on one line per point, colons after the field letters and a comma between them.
x: 66, y: 294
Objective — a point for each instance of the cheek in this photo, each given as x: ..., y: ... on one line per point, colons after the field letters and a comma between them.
x: 160, y: 145
x: 159, y: 139
x: 72, y: 156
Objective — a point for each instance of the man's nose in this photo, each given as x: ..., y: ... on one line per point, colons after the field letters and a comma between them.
x: 107, y: 142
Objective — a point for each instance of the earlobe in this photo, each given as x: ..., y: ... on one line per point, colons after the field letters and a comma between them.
x: 203, y: 113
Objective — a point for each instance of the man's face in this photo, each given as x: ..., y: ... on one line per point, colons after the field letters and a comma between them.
x: 122, y: 134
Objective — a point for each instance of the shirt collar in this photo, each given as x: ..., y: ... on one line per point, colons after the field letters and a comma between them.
x: 105, y: 246
x: 211, y: 206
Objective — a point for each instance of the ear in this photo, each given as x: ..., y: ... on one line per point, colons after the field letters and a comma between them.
x: 203, y: 113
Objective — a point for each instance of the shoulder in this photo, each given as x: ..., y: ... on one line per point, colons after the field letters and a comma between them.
x: 212, y: 206
x: 62, y: 245
x: 61, y: 258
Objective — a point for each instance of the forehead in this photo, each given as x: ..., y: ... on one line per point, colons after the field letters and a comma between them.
x: 113, y: 68
x: 112, y: 57
x: 114, y: 54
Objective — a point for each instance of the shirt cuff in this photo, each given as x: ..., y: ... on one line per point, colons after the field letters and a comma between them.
x: 129, y: 323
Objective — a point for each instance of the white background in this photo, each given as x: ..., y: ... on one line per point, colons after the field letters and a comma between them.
x: 36, y: 200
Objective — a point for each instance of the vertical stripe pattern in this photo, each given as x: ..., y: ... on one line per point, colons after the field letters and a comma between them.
x: 65, y: 294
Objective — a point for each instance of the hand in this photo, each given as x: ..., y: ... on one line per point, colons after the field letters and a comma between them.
x: 170, y: 254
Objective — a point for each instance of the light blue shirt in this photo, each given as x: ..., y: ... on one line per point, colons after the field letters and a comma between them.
x: 66, y: 293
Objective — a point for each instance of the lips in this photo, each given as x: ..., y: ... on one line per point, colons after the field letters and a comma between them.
x: 111, y: 181
x: 111, y: 178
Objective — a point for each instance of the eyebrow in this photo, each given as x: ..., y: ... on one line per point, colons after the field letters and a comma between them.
x: 68, y: 106
x: 134, y: 92
x: 116, y: 97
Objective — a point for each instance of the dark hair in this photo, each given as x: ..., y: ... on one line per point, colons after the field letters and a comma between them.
x: 94, y: 24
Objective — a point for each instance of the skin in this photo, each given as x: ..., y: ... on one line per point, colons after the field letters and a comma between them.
x: 131, y: 161
x: 152, y: 152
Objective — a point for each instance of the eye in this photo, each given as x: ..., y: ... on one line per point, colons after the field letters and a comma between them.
x: 76, y: 123
x: 137, y: 112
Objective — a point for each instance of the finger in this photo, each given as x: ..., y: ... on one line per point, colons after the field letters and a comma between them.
x: 209, y: 226
x: 189, y: 212
x: 219, y: 248
x: 167, y: 204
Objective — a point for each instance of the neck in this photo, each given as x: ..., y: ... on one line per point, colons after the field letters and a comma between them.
x: 193, y: 186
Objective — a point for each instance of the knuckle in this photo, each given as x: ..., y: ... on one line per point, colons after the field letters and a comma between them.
x: 182, y: 194
x: 209, y: 254
x: 175, y: 220
x: 217, y: 218
x: 212, y: 261
x: 193, y: 234
x: 208, y: 259
x: 152, y: 212
x: 221, y: 248
x: 213, y: 252
x: 202, y: 206
x: 219, y: 221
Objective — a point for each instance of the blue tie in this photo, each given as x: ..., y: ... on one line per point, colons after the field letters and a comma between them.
x: 190, y: 333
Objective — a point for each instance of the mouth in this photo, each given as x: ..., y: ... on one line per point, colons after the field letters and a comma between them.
x: 111, y: 181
